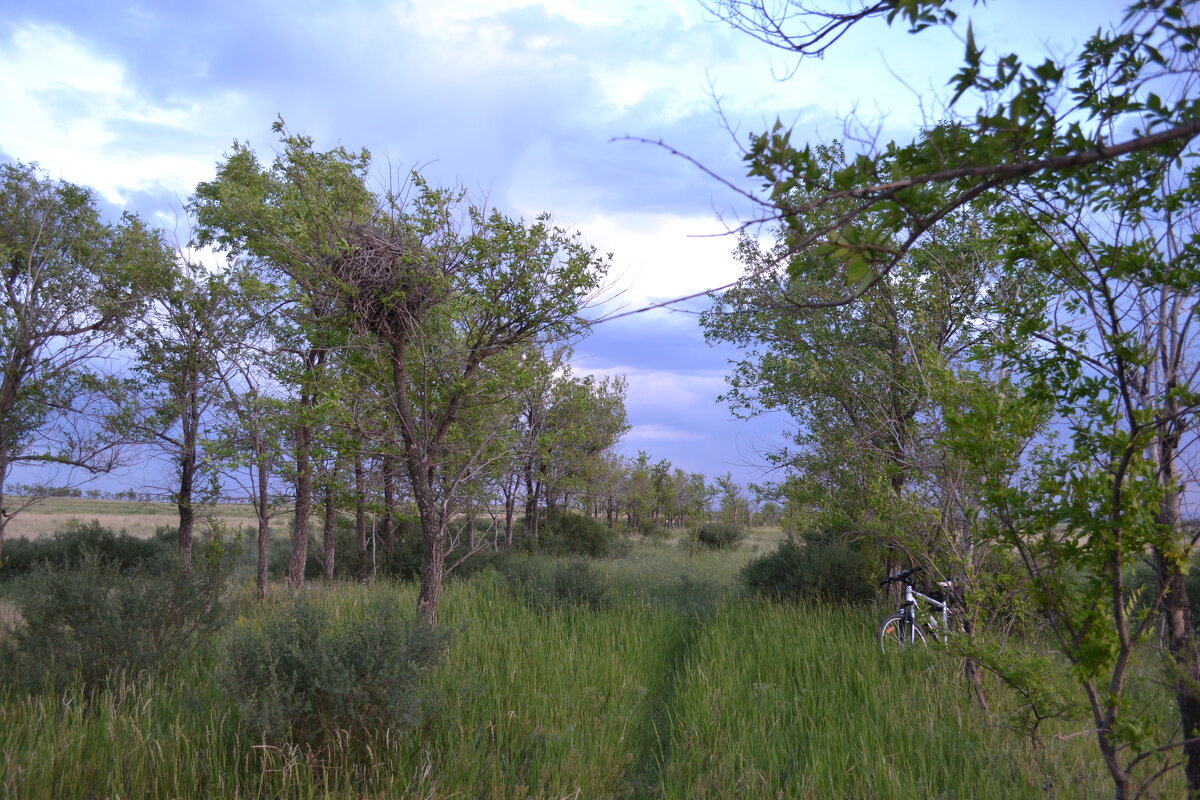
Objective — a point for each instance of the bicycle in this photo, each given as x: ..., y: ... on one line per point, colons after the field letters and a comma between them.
x: 902, y: 629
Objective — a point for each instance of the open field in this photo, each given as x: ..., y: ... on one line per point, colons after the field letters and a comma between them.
x: 136, y: 519
x: 679, y: 687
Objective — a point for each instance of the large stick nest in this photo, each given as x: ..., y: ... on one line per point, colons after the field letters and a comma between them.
x: 383, y: 279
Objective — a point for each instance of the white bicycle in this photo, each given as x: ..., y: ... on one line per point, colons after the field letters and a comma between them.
x: 920, y: 617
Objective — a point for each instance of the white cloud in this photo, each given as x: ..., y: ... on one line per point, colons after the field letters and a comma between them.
x: 662, y: 256
x: 65, y: 107
x: 654, y: 432
x: 661, y: 389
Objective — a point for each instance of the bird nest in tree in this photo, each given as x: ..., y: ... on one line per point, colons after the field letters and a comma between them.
x: 381, y: 282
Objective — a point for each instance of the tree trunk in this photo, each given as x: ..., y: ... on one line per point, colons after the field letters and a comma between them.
x: 1183, y: 660
x: 510, y: 509
x: 303, y: 507
x: 388, y: 532
x: 187, y: 524
x: 3, y: 507
x: 433, y: 570
x: 329, y: 525
x: 433, y: 536
x: 187, y: 477
x: 264, y: 521
x: 360, y: 519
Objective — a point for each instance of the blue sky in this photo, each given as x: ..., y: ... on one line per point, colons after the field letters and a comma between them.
x: 521, y: 101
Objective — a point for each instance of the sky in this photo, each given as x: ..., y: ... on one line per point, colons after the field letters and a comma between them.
x: 531, y: 104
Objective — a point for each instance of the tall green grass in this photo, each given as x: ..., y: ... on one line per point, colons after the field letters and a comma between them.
x: 780, y: 701
x: 679, y: 688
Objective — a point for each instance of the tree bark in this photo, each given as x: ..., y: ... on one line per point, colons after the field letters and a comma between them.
x: 190, y: 423
x: 388, y: 532
x: 433, y: 536
x: 433, y: 570
x: 303, y: 506
x: 510, y: 509
x: 329, y: 525
x: 4, y: 513
x: 360, y: 519
x: 1183, y: 659
x: 264, y: 520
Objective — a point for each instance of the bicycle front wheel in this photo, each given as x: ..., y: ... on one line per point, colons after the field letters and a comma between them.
x: 897, y: 632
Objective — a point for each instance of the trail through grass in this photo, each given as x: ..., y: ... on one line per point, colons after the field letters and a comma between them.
x: 679, y: 688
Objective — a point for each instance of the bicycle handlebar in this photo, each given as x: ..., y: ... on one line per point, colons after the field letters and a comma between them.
x: 901, y: 576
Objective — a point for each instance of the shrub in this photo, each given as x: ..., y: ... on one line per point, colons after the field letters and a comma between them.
x: 819, y: 570
x: 94, y: 621
x: 66, y: 549
x: 304, y: 675
x: 488, y: 558
x: 567, y: 533
x: 656, y: 532
x: 407, y: 554
x: 719, y: 535
x: 545, y: 583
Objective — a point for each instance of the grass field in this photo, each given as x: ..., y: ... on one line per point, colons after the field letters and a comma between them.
x: 680, y: 687
x: 136, y: 519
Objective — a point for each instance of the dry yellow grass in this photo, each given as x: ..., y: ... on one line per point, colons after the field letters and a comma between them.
x: 136, y: 519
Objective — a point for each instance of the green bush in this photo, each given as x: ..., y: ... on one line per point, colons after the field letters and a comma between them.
x: 66, y: 549
x: 486, y: 559
x: 550, y: 583
x: 567, y: 533
x: 719, y: 535
x: 304, y: 675
x: 94, y: 621
x: 819, y: 570
x: 407, y: 554
x: 656, y: 532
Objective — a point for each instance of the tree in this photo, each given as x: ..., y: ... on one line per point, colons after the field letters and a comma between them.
x: 445, y: 293
x: 1080, y: 149
x: 291, y: 219
x: 247, y: 434
x: 177, y: 380
x: 863, y: 381
x: 1036, y: 125
x: 568, y: 424
x: 1107, y: 350
x: 453, y: 293
x: 71, y: 284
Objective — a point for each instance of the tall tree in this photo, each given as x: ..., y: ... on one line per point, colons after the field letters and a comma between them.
x: 453, y: 293
x: 1069, y: 140
x: 290, y: 219
x: 70, y: 285
x: 446, y: 292
x: 177, y: 379
x: 861, y: 380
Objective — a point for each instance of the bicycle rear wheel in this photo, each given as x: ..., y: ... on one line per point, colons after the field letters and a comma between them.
x: 898, y: 632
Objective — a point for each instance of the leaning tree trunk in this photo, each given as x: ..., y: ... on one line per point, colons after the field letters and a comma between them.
x: 510, y: 509
x: 4, y: 513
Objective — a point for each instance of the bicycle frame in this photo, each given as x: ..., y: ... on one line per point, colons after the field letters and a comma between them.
x: 908, y: 610
x: 938, y: 629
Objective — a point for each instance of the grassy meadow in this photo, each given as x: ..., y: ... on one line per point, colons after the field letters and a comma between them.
x: 679, y: 686
x: 136, y: 519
